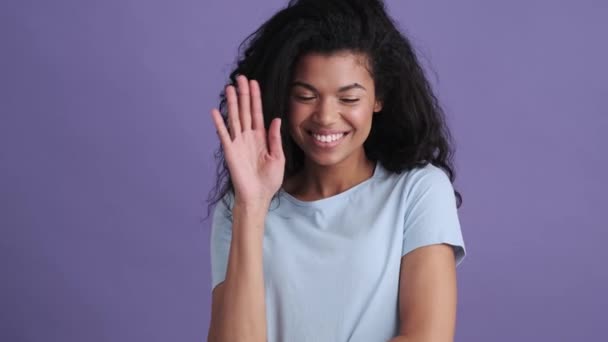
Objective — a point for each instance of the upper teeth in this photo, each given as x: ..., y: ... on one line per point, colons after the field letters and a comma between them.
x: 328, y: 138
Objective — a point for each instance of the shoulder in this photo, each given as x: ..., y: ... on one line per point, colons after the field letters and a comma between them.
x: 430, y: 176
x: 424, y: 189
x: 422, y: 179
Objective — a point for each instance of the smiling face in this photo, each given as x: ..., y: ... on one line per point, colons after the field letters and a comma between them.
x: 331, y: 104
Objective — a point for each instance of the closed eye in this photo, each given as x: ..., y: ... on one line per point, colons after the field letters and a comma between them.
x: 350, y: 100
x: 304, y: 98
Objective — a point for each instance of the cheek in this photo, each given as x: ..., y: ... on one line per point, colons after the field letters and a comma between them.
x: 361, y: 118
x: 297, y: 114
x: 295, y: 119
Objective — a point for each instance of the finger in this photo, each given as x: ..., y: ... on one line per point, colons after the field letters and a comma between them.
x: 222, y: 131
x: 233, y: 112
x: 275, y: 145
x: 244, y: 102
x: 257, y: 115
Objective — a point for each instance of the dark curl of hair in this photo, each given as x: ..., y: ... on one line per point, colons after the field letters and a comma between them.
x: 410, y: 131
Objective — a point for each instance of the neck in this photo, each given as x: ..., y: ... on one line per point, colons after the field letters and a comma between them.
x: 321, y: 181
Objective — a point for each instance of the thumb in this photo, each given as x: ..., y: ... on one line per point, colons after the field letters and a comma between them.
x: 275, y: 144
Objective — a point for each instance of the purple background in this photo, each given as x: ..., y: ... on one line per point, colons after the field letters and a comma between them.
x: 106, y: 160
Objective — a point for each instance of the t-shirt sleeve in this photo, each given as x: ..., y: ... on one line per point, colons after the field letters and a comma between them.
x: 221, y: 235
x: 431, y: 214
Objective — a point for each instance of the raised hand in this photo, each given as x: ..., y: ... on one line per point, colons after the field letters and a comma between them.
x: 255, y: 158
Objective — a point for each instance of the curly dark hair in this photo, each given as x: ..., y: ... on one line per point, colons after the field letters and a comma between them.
x: 410, y: 131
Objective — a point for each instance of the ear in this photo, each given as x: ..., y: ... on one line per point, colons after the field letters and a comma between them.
x: 377, y: 106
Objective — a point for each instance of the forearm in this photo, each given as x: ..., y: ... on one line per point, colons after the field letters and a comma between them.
x: 399, y: 339
x: 417, y: 339
x: 243, y: 315
x: 402, y: 339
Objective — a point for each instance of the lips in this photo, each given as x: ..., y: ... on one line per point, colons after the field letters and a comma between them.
x: 326, y: 131
x: 327, y: 134
x: 330, y: 140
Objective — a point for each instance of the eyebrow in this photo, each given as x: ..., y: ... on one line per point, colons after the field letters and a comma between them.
x: 340, y: 90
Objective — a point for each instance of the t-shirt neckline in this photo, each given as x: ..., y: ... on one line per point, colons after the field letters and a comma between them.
x: 336, y: 197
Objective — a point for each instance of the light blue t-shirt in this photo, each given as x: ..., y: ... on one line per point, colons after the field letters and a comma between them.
x: 331, y: 266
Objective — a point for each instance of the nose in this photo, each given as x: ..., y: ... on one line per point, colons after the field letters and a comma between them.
x: 326, y: 113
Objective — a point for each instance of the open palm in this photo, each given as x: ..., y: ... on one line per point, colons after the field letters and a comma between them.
x: 254, y: 156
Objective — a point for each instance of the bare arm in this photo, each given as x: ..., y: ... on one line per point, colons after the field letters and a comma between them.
x: 427, y: 295
x: 256, y: 163
x: 241, y: 313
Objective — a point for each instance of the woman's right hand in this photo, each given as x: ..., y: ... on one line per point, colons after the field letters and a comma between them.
x: 255, y: 158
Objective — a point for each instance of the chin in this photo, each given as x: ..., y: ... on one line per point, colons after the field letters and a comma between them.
x: 327, y: 160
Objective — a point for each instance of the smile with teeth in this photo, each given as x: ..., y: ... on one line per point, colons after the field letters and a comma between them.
x: 328, y: 138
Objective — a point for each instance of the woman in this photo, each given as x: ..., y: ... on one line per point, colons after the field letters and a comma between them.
x: 336, y: 218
